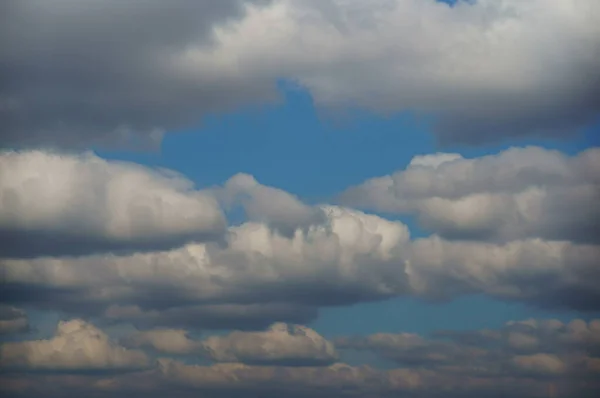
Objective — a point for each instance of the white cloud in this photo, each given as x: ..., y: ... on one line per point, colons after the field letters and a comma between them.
x: 281, y: 344
x: 485, y: 69
x: 76, y: 346
x: 260, y: 275
x: 57, y: 204
x: 518, y: 193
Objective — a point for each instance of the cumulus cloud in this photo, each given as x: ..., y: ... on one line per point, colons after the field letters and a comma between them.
x: 281, y: 344
x: 12, y: 320
x: 58, y: 204
x: 350, y: 258
x: 77, y: 346
x: 260, y: 275
x: 270, y: 205
x: 515, y: 194
x: 87, y: 75
x: 169, y: 341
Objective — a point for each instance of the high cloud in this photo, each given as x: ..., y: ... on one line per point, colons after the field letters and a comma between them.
x: 77, y: 346
x: 515, y: 194
x: 58, y: 204
x: 114, y: 74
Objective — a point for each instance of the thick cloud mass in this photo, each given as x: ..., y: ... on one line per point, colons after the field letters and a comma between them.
x: 77, y: 346
x: 109, y: 73
x: 102, y: 72
x: 56, y: 205
x: 516, y: 194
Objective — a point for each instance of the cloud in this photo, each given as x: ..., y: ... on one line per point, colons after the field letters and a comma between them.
x: 12, y: 320
x: 169, y: 341
x: 281, y: 344
x: 273, y: 206
x: 350, y: 258
x: 87, y: 75
x: 59, y: 204
x: 76, y: 347
x: 515, y: 194
x: 91, y: 74
x: 539, y: 349
x: 259, y: 275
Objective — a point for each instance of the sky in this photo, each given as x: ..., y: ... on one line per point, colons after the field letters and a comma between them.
x: 332, y: 198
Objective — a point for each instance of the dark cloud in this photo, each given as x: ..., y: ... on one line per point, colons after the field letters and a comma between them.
x: 100, y: 73
x: 113, y: 74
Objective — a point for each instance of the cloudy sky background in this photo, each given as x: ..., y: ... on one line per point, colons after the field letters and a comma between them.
x: 332, y: 198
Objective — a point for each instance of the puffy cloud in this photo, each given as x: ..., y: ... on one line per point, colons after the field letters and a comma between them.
x: 483, y: 69
x: 55, y: 204
x: 281, y: 344
x: 12, y: 320
x: 515, y: 194
x: 170, y: 341
x: 259, y: 275
x: 350, y: 258
x: 270, y: 205
x: 77, y: 347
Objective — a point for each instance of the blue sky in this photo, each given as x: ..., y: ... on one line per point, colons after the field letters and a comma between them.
x: 239, y: 198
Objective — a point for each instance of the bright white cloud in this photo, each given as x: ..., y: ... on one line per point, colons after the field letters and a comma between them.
x: 76, y: 346
x: 57, y: 204
x: 518, y: 193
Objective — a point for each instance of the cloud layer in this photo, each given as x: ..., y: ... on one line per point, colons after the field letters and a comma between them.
x: 87, y: 75
x: 290, y: 259
x: 530, y: 358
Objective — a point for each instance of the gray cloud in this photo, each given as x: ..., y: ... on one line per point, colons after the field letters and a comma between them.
x: 515, y: 194
x: 102, y: 73
x: 12, y: 320
x: 58, y: 204
x: 281, y: 344
x: 543, y: 349
x: 76, y: 347
x: 113, y: 74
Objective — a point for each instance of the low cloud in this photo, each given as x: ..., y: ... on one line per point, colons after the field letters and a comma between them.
x: 77, y: 346
x: 281, y: 344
